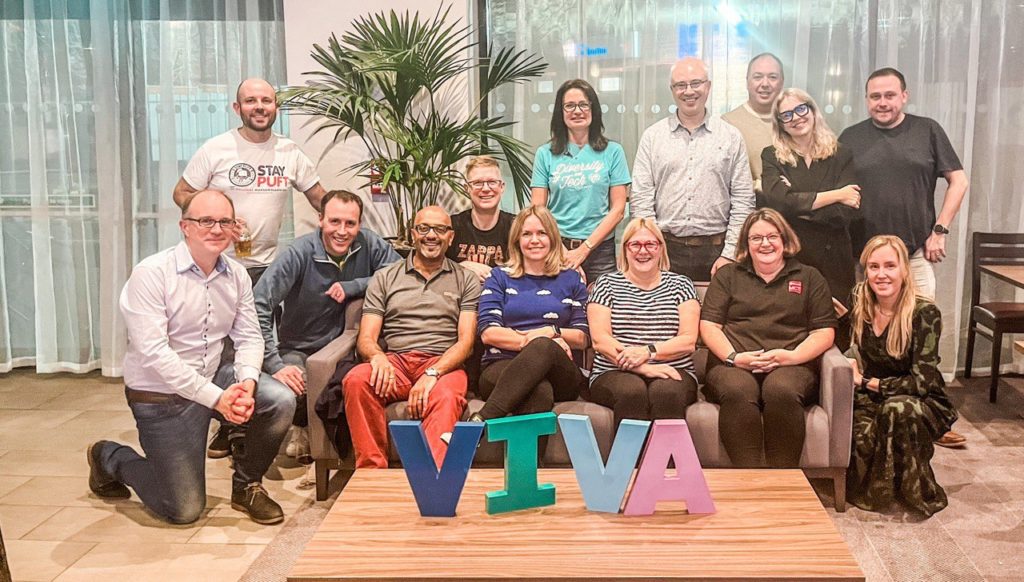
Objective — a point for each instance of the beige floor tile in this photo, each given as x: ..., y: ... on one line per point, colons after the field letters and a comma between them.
x: 53, y: 463
x: 12, y: 421
x: 32, y: 560
x: 18, y: 520
x: 227, y: 526
x: 24, y: 400
x: 85, y: 399
x: 128, y: 562
x: 112, y: 524
x: 76, y: 439
x: 59, y: 492
x: 10, y: 483
x: 105, y: 420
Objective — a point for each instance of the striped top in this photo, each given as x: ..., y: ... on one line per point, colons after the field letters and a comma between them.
x: 642, y: 317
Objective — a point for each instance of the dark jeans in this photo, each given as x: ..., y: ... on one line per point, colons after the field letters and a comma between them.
x: 171, y: 479
x: 600, y: 261
x: 694, y: 256
x: 634, y: 396
x: 778, y: 397
x: 531, y: 382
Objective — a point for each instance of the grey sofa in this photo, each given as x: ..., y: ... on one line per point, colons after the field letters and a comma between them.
x: 826, y: 451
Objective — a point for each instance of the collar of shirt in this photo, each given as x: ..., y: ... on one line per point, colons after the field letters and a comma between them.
x: 410, y: 267
x: 710, y: 124
x: 790, y: 266
x: 183, y: 261
x: 320, y: 252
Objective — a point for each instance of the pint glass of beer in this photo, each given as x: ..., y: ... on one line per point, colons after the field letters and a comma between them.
x: 243, y: 244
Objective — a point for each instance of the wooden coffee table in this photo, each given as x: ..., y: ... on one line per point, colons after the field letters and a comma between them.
x: 769, y: 526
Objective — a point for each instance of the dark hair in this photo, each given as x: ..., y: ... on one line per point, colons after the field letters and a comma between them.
x: 887, y: 72
x: 343, y: 196
x: 560, y: 133
x: 192, y: 196
x: 771, y: 56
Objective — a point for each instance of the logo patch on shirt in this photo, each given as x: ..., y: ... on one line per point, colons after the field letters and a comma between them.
x: 242, y: 174
x: 796, y: 287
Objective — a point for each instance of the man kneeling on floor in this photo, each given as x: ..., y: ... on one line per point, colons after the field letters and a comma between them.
x: 178, y: 306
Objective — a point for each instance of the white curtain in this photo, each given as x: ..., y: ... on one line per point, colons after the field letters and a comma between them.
x: 102, y: 104
x: 961, y: 59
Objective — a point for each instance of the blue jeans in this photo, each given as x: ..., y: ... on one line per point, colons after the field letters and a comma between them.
x: 171, y: 479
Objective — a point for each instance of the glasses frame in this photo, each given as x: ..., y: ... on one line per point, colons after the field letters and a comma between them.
x: 758, y: 240
x: 682, y: 85
x: 207, y: 223
x: 651, y: 246
x: 583, y: 106
x: 788, y: 116
x: 425, y: 229
x: 480, y: 184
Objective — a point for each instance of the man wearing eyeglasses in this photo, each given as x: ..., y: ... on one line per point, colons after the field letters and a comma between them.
x: 314, y: 279
x: 424, y: 308
x: 178, y: 306
x: 481, y: 233
x: 692, y: 176
x: 753, y: 117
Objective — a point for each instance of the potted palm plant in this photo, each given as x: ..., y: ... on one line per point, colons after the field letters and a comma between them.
x: 384, y: 83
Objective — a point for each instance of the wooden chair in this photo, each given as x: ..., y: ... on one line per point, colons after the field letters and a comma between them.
x: 993, y: 319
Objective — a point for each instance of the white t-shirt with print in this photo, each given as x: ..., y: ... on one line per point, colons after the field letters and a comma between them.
x: 259, y: 178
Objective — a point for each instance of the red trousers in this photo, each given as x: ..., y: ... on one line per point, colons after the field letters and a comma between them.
x: 365, y: 410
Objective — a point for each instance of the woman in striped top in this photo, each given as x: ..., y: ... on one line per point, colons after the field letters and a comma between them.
x: 643, y: 322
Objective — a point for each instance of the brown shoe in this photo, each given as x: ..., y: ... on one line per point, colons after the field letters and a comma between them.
x: 951, y: 440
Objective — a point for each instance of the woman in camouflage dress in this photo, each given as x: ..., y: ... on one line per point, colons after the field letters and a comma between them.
x: 900, y: 406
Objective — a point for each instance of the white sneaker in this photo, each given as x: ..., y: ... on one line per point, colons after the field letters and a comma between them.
x: 308, y: 480
x: 298, y: 446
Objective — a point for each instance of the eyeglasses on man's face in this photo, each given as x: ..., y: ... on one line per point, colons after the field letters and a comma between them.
x: 650, y: 246
x: 440, y: 229
x: 757, y: 239
x: 693, y: 85
x: 207, y: 222
x: 481, y: 184
x: 583, y: 106
x: 799, y: 111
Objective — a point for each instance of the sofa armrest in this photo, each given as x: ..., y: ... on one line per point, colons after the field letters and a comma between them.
x: 319, y: 369
x: 837, y: 400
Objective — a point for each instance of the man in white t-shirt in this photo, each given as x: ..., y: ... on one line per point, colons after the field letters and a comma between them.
x: 257, y: 169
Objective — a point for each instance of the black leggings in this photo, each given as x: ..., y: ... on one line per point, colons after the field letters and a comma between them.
x: 631, y: 395
x: 531, y: 382
x: 778, y: 397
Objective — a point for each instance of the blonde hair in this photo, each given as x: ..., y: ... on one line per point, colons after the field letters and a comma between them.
x: 481, y: 162
x: 790, y: 242
x: 634, y: 226
x: 865, y: 301
x: 556, y: 253
x: 823, y: 140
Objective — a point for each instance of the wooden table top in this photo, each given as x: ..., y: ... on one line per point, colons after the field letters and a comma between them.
x: 769, y: 525
x: 1012, y: 274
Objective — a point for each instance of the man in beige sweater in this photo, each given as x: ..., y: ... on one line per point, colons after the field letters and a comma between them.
x: 754, y: 116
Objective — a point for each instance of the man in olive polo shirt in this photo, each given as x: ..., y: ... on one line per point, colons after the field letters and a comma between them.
x: 425, y: 310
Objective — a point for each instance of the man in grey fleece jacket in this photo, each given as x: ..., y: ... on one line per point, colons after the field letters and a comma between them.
x: 315, y: 278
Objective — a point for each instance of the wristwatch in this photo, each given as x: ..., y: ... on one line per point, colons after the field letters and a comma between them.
x: 652, y: 350
x: 939, y: 229
x: 432, y: 372
x: 864, y: 382
x: 557, y: 330
x: 731, y: 360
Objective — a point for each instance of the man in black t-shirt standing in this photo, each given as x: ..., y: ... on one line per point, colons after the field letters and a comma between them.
x: 481, y: 233
x: 899, y: 158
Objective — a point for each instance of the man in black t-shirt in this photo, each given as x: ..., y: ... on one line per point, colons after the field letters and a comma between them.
x: 899, y: 157
x: 481, y: 233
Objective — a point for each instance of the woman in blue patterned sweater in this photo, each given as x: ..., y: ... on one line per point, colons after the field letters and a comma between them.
x: 532, y: 315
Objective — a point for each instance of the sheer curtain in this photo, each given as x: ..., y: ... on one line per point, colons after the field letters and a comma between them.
x: 961, y: 59
x: 102, y: 104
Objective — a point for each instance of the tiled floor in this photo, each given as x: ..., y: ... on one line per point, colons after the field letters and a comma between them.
x: 54, y: 529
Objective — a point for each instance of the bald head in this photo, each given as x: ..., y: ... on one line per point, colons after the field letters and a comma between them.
x: 432, y: 215
x: 431, y: 245
x: 689, y: 68
x: 204, y: 199
x: 252, y: 85
x: 256, y: 104
x: 690, y: 89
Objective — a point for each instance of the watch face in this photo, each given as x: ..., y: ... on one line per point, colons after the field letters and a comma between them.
x: 940, y: 229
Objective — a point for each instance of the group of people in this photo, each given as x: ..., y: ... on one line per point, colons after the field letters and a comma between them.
x: 766, y: 204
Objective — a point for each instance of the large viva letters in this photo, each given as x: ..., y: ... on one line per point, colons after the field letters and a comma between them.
x: 437, y: 492
x: 520, y: 434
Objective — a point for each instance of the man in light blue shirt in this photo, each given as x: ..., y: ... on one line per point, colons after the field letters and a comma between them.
x: 178, y: 306
x: 691, y: 174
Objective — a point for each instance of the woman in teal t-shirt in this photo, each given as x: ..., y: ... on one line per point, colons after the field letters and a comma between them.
x: 582, y: 177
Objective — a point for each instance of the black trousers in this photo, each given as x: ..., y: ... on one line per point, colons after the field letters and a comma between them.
x: 531, y: 382
x: 778, y: 398
x: 631, y: 395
